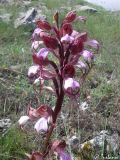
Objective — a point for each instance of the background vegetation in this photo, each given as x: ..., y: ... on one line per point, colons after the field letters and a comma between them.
x: 103, y: 84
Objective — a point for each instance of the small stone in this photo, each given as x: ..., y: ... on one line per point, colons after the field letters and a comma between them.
x: 4, y: 124
x: 98, y: 141
x: 83, y: 106
x: 28, y: 18
x: 74, y: 142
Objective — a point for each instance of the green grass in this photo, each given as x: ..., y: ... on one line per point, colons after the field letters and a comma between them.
x: 15, y: 89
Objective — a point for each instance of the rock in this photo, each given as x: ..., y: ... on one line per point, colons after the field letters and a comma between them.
x: 27, y: 2
x: 28, y: 18
x: 85, y: 8
x: 6, y: 1
x: 83, y: 106
x: 74, y: 142
x: 25, y: 18
x: 99, y: 140
x: 4, y: 124
x: 5, y: 17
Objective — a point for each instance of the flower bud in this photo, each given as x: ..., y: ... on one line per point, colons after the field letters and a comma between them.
x: 50, y: 42
x: 42, y: 24
x: 77, y: 46
x: 67, y: 29
x: 68, y: 71
x: 70, y: 17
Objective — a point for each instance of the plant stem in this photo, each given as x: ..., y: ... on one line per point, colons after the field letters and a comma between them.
x: 57, y: 109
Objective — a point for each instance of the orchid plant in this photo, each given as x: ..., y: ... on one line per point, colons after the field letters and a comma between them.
x: 71, y: 49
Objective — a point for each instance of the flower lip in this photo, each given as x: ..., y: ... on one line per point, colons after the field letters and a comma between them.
x: 67, y: 39
x: 87, y: 55
x: 59, y: 148
x: 81, y: 65
x: 36, y: 44
x: 40, y: 57
x: 36, y: 34
x: 74, y: 33
x: 33, y: 71
x: 41, y: 125
x: 71, y: 86
x: 64, y: 156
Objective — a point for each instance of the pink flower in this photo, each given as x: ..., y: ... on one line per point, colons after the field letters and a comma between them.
x: 75, y: 34
x: 36, y: 44
x: 59, y: 148
x: 93, y: 43
x: 32, y: 113
x: 36, y: 34
x: 87, y: 55
x: 67, y: 39
x: 82, y: 66
x: 40, y: 57
x: 70, y: 17
x: 43, y: 123
x: 71, y: 86
x: 64, y: 156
